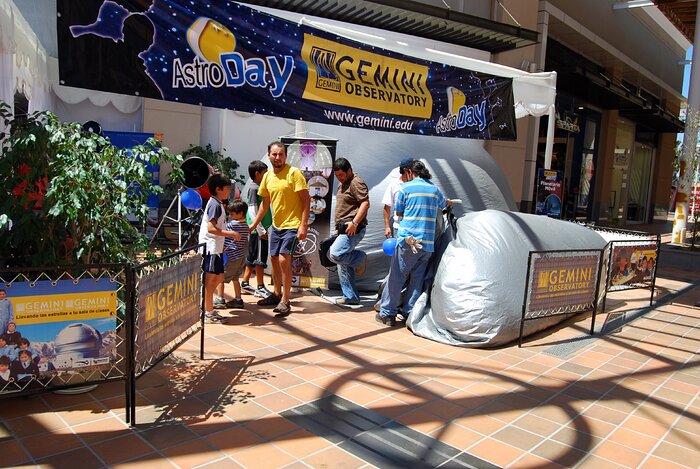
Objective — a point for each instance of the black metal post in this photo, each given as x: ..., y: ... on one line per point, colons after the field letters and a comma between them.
x: 527, y: 288
x: 129, y: 392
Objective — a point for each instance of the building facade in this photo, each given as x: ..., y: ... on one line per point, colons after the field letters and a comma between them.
x: 618, y: 92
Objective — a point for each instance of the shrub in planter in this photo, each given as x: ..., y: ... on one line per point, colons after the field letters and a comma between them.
x: 66, y: 194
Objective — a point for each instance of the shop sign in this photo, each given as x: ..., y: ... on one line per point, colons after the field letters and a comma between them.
x: 568, y: 122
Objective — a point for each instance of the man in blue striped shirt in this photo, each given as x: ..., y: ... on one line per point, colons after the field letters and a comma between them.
x: 418, y: 203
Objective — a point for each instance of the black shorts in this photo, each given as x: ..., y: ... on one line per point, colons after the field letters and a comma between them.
x: 282, y: 241
x: 213, y: 264
x: 257, y: 250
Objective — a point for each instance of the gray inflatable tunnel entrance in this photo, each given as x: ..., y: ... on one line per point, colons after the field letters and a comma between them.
x: 476, y: 298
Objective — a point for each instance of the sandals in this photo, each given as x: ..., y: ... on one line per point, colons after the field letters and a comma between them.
x: 283, y: 309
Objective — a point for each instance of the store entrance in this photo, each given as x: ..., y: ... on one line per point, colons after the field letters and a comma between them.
x: 639, y: 183
x: 631, y: 177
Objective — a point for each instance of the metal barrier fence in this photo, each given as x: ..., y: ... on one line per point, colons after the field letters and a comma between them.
x: 168, y: 303
x: 632, y: 260
x: 65, y: 327
x: 561, y: 282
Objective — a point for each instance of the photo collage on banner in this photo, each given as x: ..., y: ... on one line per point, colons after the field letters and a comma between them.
x: 53, y: 327
x: 632, y: 264
x: 315, y: 159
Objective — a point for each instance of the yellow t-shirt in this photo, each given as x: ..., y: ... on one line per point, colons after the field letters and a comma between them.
x: 282, y: 190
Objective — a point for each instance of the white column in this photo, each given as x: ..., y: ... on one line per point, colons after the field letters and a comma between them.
x: 529, y: 169
x: 690, y: 143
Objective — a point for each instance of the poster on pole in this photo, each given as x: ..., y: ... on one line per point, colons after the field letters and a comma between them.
x: 549, y: 192
x: 315, y: 159
x: 562, y: 281
x: 228, y: 55
x: 53, y: 326
x: 632, y: 264
x: 169, y: 304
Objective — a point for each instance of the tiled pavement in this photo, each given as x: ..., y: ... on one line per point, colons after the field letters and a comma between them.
x: 630, y: 398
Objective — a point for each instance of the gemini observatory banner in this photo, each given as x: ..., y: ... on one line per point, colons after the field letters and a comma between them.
x: 169, y: 306
x: 226, y: 55
x: 52, y: 326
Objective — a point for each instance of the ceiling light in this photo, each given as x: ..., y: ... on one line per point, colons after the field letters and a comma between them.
x: 632, y: 4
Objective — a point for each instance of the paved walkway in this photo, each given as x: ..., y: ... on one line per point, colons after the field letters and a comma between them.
x: 629, y: 398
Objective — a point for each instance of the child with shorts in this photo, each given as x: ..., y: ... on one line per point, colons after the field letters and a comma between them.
x: 212, y: 232
x: 257, y: 246
x: 235, y: 251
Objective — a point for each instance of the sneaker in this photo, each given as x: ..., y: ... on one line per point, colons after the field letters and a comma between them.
x: 283, y: 309
x: 247, y: 288
x: 271, y: 300
x: 235, y: 303
x: 400, y: 317
x: 346, y: 302
x: 360, y: 269
x: 213, y: 318
x: 219, y: 303
x: 262, y: 292
x: 387, y: 321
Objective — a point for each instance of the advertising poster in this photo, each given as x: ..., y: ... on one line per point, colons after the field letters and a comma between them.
x: 228, y: 55
x: 54, y: 326
x: 632, y: 264
x: 561, y: 281
x: 128, y: 140
x: 315, y: 158
x: 549, y: 192
x: 169, y: 304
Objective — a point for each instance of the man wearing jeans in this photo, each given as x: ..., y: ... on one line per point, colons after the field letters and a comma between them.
x: 418, y: 202
x: 351, y: 205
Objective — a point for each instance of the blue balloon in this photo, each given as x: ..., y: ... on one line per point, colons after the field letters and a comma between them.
x: 388, y: 246
x: 191, y: 199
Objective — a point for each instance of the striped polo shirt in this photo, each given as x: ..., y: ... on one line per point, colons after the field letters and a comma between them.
x: 420, y: 201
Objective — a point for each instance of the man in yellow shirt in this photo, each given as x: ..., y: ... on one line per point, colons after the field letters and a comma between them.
x: 284, y: 188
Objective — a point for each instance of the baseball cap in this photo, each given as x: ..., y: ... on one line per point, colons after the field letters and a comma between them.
x: 405, y: 162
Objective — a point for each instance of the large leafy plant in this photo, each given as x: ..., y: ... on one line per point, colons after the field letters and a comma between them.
x: 67, y: 195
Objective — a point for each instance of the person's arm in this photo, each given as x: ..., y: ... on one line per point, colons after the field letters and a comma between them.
x: 261, y: 212
x: 387, y: 221
x: 214, y: 230
x: 351, y: 229
x: 388, y: 202
x: 306, y: 208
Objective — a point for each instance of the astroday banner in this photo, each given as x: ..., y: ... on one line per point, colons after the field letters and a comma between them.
x: 226, y: 55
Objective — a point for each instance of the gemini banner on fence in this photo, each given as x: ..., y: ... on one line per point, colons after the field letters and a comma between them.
x: 562, y: 281
x: 227, y: 55
x: 169, y: 304
x: 56, y: 329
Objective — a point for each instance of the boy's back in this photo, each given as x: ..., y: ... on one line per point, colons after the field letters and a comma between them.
x: 236, y: 249
x: 213, y: 211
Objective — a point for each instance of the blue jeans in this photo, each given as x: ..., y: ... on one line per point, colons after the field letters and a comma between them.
x: 344, y: 254
x: 404, y: 265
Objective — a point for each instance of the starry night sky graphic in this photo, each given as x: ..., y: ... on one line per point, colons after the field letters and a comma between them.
x: 260, y: 35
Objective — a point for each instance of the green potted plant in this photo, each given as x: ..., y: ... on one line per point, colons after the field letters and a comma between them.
x: 66, y: 194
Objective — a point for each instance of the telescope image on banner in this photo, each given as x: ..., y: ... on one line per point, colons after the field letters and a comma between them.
x: 234, y: 57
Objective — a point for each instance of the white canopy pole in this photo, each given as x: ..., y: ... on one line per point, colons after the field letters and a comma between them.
x: 550, y: 137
